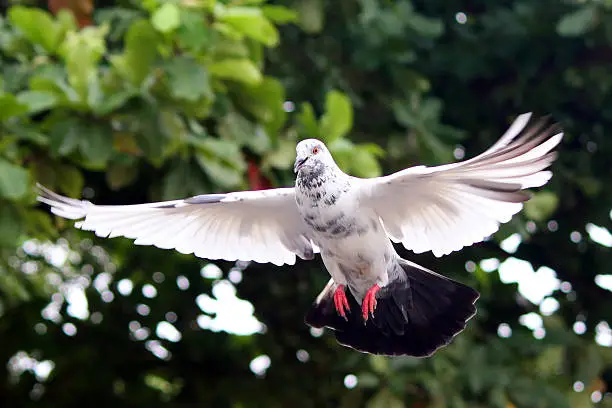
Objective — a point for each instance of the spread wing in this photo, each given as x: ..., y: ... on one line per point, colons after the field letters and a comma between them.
x: 444, y: 208
x: 261, y: 226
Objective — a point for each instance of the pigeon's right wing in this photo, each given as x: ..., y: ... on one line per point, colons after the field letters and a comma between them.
x: 262, y: 226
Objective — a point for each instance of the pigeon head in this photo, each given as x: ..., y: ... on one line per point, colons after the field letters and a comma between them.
x: 312, y: 155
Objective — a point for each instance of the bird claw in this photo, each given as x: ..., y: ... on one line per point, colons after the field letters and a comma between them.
x: 369, y: 302
x: 341, y: 302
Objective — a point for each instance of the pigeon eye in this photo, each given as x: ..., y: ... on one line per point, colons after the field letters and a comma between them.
x: 315, y: 150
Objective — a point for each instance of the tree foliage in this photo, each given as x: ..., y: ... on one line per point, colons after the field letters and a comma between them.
x: 154, y: 100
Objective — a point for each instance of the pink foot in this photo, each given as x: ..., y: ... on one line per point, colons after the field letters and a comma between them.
x: 340, y: 301
x: 369, y: 302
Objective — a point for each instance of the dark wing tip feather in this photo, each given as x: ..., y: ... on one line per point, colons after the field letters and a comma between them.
x: 532, y: 135
x: 43, y: 192
x: 535, y: 132
x: 50, y: 197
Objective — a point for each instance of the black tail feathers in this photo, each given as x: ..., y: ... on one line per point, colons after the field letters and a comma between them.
x: 416, y: 313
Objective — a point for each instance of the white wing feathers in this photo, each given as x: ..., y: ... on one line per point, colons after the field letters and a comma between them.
x: 444, y: 208
x: 261, y: 226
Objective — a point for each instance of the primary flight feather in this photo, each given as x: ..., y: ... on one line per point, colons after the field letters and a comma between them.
x: 376, y: 301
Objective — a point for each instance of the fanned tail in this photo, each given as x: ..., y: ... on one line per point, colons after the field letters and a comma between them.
x: 418, y: 312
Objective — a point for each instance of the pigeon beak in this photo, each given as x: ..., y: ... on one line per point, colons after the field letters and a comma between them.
x: 299, y: 161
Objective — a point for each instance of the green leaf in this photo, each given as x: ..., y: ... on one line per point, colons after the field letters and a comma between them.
x: 148, y: 143
x: 225, y: 150
x: 120, y: 175
x: 251, y: 22
x: 223, y: 30
x: 256, y: 52
x: 66, y: 21
x: 150, y: 137
x: 193, y: 33
x: 70, y: 180
x: 118, y: 18
x: 222, y: 161
x: 39, y: 225
x: 307, y: 121
x: 162, y: 385
x: 432, y: 148
x: 541, y: 205
x: 11, y: 107
x: 235, y: 128
x: 427, y: 27
x: 368, y: 380
x: 173, y: 129
x: 364, y: 163
x: 380, y: 364
x: 52, y: 79
x: 218, y: 172
x: 64, y: 136
x: 140, y: 52
x: 423, y: 119
x: 176, y: 182
x: 429, y: 110
x: 252, y: 2
x: 403, y: 113
x: 37, y: 26
x: 385, y: 399
x: 282, y: 157
x: 311, y: 15
x: 338, y: 118
x: 81, y: 52
x: 241, y: 70
x: 226, y: 48
x: 550, y: 361
x: 166, y: 18
x: 188, y: 79
x: 373, y: 149
x: 577, y: 22
x: 410, y: 81
x: 14, y: 180
x: 30, y: 134
x: 37, y: 101
x: 10, y: 226
x: 342, y: 150
x: 280, y: 14
x: 13, y: 285
x: 96, y: 145
x: 265, y: 102
x: 259, y: 142
x: 590, y: 364
x: 114, y: 101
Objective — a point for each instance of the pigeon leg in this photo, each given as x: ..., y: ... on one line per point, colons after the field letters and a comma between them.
x: 340, y: 301
x: 369, y: 302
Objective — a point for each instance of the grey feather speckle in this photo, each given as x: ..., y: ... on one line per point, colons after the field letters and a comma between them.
x: 205, y: 199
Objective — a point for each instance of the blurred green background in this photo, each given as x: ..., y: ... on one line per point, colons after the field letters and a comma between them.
x: 125, y: 102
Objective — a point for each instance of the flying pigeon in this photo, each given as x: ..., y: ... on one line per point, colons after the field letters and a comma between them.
x: 375, y: 302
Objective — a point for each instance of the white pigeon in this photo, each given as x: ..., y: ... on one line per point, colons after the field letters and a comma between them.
x: 394, y: 306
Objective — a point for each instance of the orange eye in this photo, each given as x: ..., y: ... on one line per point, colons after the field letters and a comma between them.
x: 315, y: 150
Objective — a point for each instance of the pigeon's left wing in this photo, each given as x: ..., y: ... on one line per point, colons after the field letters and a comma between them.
x: 261, y: 226
x: 444, y: 208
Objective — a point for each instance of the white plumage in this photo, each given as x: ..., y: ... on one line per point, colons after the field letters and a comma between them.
x: 444, y: 208
x: 350, y: 220
x: 261, y: 226
x: 439, y: 209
